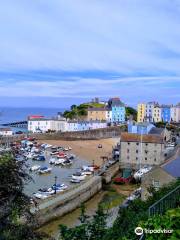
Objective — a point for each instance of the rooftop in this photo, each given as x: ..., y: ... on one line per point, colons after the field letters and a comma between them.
x: 5, y: 129
x: 146, y: 138
x: 156, y: 130
x: 98, y: 109
x: 173, y: 167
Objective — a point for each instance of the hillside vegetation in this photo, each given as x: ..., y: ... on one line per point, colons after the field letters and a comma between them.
x: 80, y: 111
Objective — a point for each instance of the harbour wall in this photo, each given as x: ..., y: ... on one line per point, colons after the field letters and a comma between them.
x: 67, y: 202
x: 82, y: 135
x: 110, y: 173
x: 93, y: 134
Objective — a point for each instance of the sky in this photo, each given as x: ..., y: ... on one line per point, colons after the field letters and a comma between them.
x: 59, y: 52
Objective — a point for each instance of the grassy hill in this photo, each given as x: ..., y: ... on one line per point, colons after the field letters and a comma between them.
x: 80, y: 111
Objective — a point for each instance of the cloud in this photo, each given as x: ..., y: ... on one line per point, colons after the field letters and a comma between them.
x: 67, y: 48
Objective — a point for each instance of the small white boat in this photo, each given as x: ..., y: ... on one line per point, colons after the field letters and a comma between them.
x: 35, y: 168
x: 75, y: 181
x: 40, y: 195
x: 86, y: 172
x: 66, y: 149
x: 69, y: 148
x: 52, y: 160
x: 29, y: 155
x: 59, y: 161
x: 78, y: 176
x: 141, y: 171
x: 44, y: 170
x: 88, y: 168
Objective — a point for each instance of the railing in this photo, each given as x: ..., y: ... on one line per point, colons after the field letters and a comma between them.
x: 170, y: 200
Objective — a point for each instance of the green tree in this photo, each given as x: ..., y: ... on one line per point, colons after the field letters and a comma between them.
x: 131, y: 112
x: 169, y: 221
x: 14, y: 204
x: 73, y: 107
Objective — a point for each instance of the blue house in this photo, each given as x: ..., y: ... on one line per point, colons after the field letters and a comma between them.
x: 166, y: 113
x: 140, y: 128
x: 118, y: 110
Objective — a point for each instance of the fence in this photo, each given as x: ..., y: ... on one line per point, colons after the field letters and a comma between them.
x: 170, y: 200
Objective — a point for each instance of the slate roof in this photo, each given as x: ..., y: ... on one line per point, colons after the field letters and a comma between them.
x: 156, y: 130
x: 173, y: 167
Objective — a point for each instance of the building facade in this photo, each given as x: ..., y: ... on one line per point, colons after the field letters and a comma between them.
x: 160, y: 176
x: 175, y: 113
x: 141, y: 150
x: 156, y: 113
x: 118, y: 110
x: 149, y: 110
x: 141, y: 112
x: 153, y: 112
x: 140, y: 128
x: 96, y: 114
x: 6, y: 132
x: 45, y: 125
x: 166, y: 113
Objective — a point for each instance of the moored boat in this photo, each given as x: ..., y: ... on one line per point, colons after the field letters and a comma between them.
x: 43, y: 170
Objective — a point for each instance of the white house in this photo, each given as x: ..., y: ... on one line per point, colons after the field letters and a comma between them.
x: 44, y: 125
x: 175, y: 113
x: 6, y: 132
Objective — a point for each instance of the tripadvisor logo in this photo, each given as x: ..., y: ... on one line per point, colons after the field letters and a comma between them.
x: 138, y: 231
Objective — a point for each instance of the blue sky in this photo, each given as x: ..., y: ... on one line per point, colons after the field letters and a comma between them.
x: 59, y: 52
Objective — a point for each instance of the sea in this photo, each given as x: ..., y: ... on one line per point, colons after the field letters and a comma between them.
x: 12, y: 114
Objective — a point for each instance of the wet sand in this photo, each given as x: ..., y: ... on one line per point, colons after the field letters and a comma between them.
x: 72, y: 219
x: 88, y: 149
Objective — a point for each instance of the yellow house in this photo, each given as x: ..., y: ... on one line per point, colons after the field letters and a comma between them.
x: 96, y: 114
x: 141, y: 112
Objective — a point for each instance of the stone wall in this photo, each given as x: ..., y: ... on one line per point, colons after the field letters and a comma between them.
x: 130, y: 154
x: 67, y: 202
x: 108, y: 132
x: 110, y: 173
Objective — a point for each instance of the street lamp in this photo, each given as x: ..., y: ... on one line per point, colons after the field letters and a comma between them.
x: 55, y: 178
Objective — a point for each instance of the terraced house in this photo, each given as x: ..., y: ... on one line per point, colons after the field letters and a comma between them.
x: 95, y: 114
x: 118, y: 110
x: 114, y: 112
x: 153, y: 112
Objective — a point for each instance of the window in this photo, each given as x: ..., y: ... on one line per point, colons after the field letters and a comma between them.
x: 156, y: 184
x: 127, y: 150
x: 146, y: 144
x: 146, y: 151
x: 155, y: 159
x: 128, y: 157
x: 128, y: 143
x: 145, y: 158
x: 136, y: 158
x: 136, y: 151
x: 137, y: 144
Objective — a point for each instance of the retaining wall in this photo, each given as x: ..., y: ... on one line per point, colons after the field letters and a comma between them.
x: 110, y: 173
x: 67, y: 202
x: 108, y: 132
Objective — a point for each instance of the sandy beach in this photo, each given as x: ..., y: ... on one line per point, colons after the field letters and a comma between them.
x: 88, y: 149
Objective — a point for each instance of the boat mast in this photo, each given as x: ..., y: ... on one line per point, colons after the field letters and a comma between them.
x: 140, y: 160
